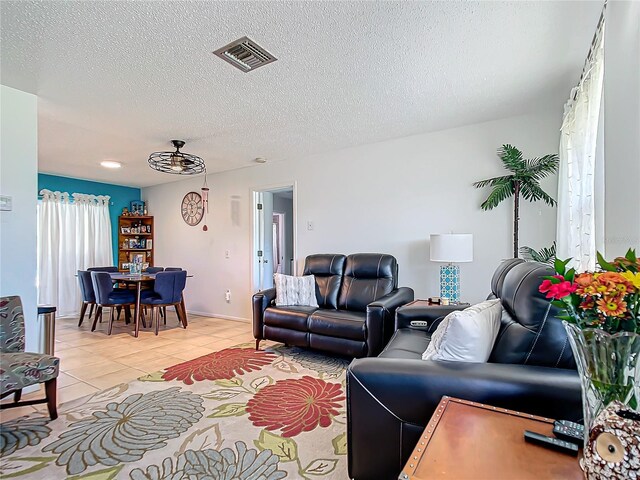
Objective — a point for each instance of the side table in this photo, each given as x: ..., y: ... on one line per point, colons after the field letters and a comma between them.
x: 469, y: 440
x: 423, y: 310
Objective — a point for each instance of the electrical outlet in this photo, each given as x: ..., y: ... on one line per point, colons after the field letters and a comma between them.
x: 227, y: 253
x: 227, y: 296
x: 309, y: 225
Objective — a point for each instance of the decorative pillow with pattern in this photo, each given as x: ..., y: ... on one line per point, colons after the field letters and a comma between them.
x: 299, y: 291
x: 466, y: 335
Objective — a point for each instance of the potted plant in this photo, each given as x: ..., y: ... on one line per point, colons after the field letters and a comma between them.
x: 601, y: 311
x: 524, y: 180
x: 544, y: 255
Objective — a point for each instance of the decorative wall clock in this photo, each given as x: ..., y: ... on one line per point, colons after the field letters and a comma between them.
x: 192, y: 208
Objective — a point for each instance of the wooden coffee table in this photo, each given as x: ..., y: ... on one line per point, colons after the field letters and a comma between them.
x: 468, y: 440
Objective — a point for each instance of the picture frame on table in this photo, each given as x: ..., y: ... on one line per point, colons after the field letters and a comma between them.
x: 125, y: 266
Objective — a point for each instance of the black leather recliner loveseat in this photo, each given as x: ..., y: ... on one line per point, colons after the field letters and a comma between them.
x: 357, y: 297
x: 391, y: 398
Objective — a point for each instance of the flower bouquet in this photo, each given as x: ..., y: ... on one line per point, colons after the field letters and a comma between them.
x: 601, y: 310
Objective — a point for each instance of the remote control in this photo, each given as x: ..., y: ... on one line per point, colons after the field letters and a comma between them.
x: 551, y: 443
x: 568, y: 423
x: 569, y: 431
x: 419, y: 323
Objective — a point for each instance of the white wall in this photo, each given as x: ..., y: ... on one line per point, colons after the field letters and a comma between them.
x: 18, y: 179
x: 622, y: 127
x: 384, y: 197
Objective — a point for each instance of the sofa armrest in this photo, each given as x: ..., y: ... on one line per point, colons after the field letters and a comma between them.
x: 260, y: 302
x: 380, y: 318
x: 390, y: 401
x: 550, y: 392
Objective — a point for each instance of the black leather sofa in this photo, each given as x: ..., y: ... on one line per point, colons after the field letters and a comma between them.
x: 391, y: 398
x: 357, y: 298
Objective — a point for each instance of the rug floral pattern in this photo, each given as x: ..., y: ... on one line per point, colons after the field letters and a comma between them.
x: 234, y: 414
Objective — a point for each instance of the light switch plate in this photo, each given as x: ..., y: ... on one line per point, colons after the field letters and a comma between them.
x: 6, y: 204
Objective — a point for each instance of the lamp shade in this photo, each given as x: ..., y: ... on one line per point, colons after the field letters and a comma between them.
x: 451, y: 247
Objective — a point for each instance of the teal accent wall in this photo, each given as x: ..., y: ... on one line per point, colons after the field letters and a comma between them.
x: 120, y: 197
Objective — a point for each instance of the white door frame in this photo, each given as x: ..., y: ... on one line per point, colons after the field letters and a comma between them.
x: 252, y: 215
x: 281, y: 246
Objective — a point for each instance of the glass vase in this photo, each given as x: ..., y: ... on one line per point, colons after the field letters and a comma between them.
x: 608, y: 367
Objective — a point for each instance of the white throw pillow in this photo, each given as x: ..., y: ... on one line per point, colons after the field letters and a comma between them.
x: 299, y: 291
x: 466, y: 335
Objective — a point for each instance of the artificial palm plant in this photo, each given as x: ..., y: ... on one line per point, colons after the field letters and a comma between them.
x: 524, y: 180
x: 544, y: 255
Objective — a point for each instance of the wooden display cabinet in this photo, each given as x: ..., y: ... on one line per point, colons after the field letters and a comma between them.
x: 135, y: 241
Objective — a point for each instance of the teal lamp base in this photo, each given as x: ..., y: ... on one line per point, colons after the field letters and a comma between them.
x: 450, y: 282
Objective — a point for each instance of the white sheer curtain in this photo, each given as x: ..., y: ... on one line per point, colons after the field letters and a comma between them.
x: 72, y: 236
x: 576, y: 222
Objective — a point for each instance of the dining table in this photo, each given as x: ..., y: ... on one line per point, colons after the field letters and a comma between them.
x: 140, y: 279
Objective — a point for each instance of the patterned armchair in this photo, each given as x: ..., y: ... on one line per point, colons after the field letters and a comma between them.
x: 20, y: 369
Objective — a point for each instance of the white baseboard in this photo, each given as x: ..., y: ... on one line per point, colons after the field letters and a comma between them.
x: 217, y: 315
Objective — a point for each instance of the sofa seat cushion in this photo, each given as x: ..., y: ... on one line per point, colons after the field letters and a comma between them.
x: 407, y: 343
x: 20, y: 370
x: 295, y: 318
x: 122, y: 296
x: 339, y: 323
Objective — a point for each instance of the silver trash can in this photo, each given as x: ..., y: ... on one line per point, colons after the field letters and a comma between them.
x: 47, y: 325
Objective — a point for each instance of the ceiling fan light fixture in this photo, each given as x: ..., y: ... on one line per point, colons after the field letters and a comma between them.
x: 177, y: 162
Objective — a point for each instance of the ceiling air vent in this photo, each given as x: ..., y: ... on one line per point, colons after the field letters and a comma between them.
x: 245, y: 54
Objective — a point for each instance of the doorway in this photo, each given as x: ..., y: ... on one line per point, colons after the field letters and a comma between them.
x: 274, y: 223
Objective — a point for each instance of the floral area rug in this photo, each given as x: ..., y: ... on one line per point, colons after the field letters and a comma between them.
x: 233, y: 414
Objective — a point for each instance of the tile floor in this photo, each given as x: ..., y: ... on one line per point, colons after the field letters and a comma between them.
x: 93, y: 361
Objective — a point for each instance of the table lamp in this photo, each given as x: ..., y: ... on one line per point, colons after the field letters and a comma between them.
x: 450, y: 248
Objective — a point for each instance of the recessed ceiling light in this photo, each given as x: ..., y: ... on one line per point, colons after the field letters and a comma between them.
x: 110, y: 164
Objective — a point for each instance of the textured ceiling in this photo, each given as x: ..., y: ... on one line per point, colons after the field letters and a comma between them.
x: 118, y: 80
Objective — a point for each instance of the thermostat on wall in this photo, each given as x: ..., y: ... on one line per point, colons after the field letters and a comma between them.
x: 5, y: 203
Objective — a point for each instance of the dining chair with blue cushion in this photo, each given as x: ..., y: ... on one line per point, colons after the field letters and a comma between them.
x: 88, y: 295
x: 167, y: 291
x: 103, y: 269
x: 20, y: 369
x: 107, y: 296
x: 163, y: 311
x: 154, y: 269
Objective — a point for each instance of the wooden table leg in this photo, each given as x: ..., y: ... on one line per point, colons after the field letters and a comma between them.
x: 184, y: 312
x: 139, y: 287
